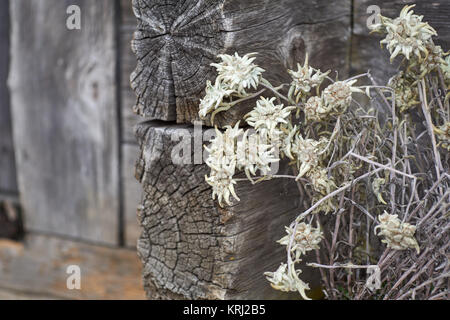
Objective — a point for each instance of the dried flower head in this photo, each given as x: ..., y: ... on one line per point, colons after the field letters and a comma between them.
x: 238, y: 73
x: 308, y: 153
x: 213, y: 98
x: 267, y: 116
x: 253, y: 154
x: 406, y: 34
x: 306, y: 78
x: 406, y: 95
x: 286, y: 281
x: 338, y: 96
x: 397, y: 235
x: 306, y: 238
x: 315, y: 109
x: 320, y: 180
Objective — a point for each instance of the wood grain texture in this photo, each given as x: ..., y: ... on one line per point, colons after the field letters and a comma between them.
x: 366, y: 51
x: 193, y: 249
x: 127, y: 64
x: 38, y: 267
x: 64, y: 110
x: 132, y: 194
x: 176, y: 41
x: 8, y: 183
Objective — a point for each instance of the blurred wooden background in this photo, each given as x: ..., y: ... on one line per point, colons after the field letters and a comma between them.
x: 67, y: 149
x: 67, y: 189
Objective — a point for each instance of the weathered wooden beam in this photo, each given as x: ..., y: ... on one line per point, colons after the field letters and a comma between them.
x: 366, y: 51
x: 193, y: 249
x: 37, y: 267
x: 8, y: 183
x: 176, y: 41
x: 64, y: 108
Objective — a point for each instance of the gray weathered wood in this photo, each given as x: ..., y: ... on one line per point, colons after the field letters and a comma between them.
x: 132, y: 194
x: 177, y: 40
x: 8, y: 184
x: 64, y: 108
x: 38, y: 267
x: 190, y: 247
x: 366, y: 51
x: 127, y: 64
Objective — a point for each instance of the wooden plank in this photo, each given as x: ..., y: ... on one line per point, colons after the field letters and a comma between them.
x: 127, y: 64
x: 132, y: 194
x: 193, y: 249
x: 176, y: 41
x: 8, y: 183
x: 63, y: 94
x: 38, y: 267
x: 366, y: 51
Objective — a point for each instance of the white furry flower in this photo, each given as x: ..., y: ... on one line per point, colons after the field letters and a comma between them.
x: 338, y: 95
x: 286, y: 281
x: 306, y: 238
x: 213, y: 98
x: 397, y: 235
x: 253, y: 154
x: 305, y: 78
x: 406, y: 34
x: 266, y: 116
x: 222, y: 161
x: 308, y: 153
x: 238, y: 73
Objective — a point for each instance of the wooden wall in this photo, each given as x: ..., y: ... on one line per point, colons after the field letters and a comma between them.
x: 65, y: 101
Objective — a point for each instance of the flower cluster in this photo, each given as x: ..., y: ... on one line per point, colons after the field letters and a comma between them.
x: 406, y: 34
x: 397, y: 235
x: 267, y: 116
x: 406, y: 95
x: 213, y: 98
x: 238, y: 73
x: 304, y: 79
x: 234, y: 150
x: 235, y: 75
x: 287, y: 280
x: 338, y: 96
x: 306, y: 238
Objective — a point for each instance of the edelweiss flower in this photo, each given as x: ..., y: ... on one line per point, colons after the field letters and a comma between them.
x: 238, y: 73
x: 286, y: 281
x: 398, y: 235
x: 305, y: 78
x: 406, y: 95
x: 266, y: 116
x: 213, y: 98
x: 308, y: 153
x: 338, y: 96
x: 406, y: 34
x: 315, y: 109
x: 222, y: 161
x: 222, y: 183
x: 252, y: 154
x: 306, y: 238
x: 431, y: 61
